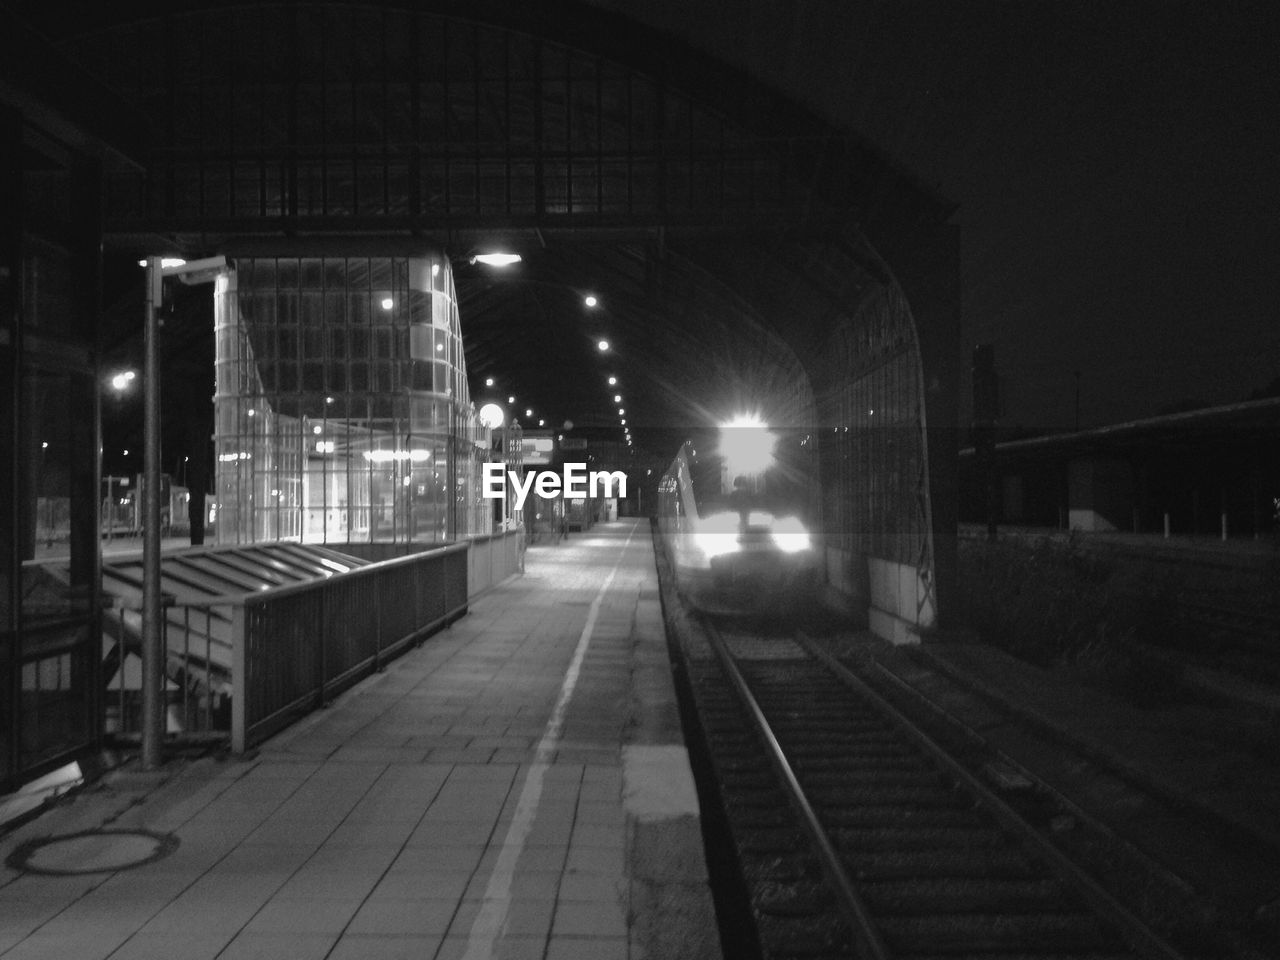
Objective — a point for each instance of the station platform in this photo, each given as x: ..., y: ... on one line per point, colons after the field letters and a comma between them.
x: 516, y: 787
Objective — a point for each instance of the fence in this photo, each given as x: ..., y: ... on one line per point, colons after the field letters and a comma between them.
x: 248, y: 666
x: 493, y: 558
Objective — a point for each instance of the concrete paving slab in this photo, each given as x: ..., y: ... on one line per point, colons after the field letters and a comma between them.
x: 467, y: 802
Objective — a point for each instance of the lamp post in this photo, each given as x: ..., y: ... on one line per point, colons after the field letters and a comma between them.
x: 152, y: 682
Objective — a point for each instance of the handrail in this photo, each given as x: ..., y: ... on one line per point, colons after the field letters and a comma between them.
x: 341, y: 626
x: 286, y: 589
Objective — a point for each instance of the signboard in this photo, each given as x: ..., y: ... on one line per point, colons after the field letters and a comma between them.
x: 536, y: 450
x: 573, y: 443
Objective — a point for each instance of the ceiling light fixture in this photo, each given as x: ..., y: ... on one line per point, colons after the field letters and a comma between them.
x: 496, y: 259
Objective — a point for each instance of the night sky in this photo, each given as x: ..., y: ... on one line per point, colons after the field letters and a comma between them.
x: 1116, y: 166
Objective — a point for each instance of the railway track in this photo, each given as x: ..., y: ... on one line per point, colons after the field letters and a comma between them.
x: 902, y: 852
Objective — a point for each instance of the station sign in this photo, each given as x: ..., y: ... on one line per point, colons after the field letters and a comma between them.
x: 536, y: 450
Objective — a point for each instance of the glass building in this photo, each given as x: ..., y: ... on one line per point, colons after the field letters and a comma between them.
x: 342, y: 411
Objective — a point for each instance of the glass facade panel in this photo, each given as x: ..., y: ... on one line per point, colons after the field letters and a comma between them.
x: 874, y: 477
x: 49, y: 583
x: 342, y: 406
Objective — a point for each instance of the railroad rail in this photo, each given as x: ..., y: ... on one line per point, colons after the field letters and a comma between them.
x: 919, y: 856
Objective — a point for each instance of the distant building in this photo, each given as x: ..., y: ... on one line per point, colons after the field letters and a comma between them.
x: 1208, y: 472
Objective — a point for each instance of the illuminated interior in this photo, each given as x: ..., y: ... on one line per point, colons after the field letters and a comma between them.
x: 342, y: 412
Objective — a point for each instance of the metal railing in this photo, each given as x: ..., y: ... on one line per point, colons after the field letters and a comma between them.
x: 245, y: 667
x: 493, y: 558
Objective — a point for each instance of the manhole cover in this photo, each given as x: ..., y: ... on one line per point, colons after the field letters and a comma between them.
x: 93, y: 851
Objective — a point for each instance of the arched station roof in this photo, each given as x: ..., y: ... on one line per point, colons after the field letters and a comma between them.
x: 725, y: 229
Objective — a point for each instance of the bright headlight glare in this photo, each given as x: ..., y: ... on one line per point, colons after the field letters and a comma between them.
x: 716, y: 544
x: 790, y: 535
x: 746, y: 444
x: 717, y: 534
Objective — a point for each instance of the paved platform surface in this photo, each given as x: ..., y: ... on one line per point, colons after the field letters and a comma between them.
x: 515, y: 788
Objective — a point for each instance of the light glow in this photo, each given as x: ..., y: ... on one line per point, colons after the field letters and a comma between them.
x: 717, y: 534
x: 387, y: 303
x: 613, y: 381
x: 496, y: 259
x: 790, y: 535
x: 590, y: 301
x: 122, y: 380
x: 391, y: 456
x: 603, y: 346
x: 746, y: 445
x: 491, y: 416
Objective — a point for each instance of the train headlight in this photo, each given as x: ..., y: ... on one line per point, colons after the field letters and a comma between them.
x: 790, y: 535
x: 747, y: 446
x: 717, y: 534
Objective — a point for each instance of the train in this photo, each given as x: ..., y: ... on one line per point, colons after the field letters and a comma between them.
x: 737, y: 542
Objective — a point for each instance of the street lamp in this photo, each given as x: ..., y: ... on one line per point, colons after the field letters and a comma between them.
x: 121, y: 381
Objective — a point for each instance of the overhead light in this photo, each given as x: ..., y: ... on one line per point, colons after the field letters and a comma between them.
x: 624, y: 421
x: 491, y: 416
x: 542, y: 423
x: 590, y: 301
x: 603, y: 346
x: 511, y: 399
x: 122, y: 380
x: 387, y: 303
x: 496, y: 259
x: 488, y: 381
x: 166, y: 262
x: 528, y: 411
x: 617, y: 398
x: 328, y: 399
x: 621, y: 411
x: 613, y: 381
